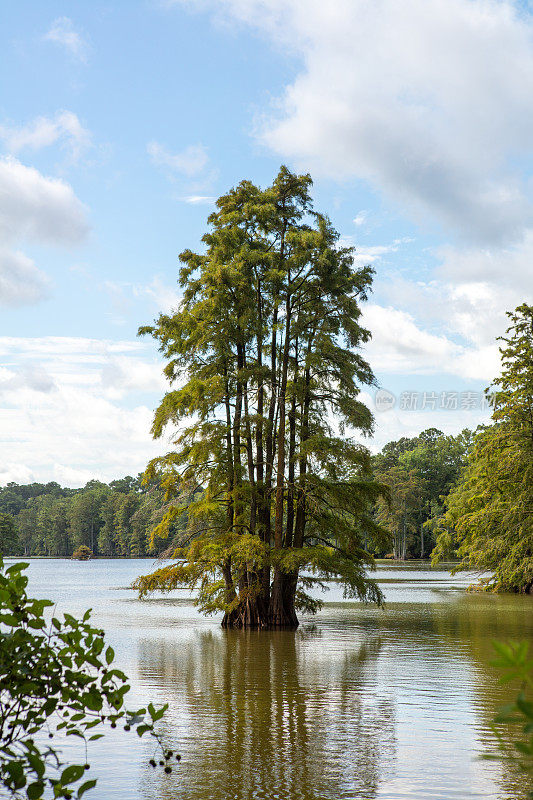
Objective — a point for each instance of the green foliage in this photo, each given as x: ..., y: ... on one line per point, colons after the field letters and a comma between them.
x: 56, y: 676
x: 488, y: 520
x: 263, y: 352
x: 9, y: 541
x: 419, y: 473
x: 112, y: 520
x: 82, y: 553
x: 513, y: 725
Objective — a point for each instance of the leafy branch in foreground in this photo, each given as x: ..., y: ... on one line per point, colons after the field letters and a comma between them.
x: 516, y: 665
x: 56, y: 677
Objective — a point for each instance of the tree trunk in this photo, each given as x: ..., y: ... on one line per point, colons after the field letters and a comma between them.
x: 280, y: 476
x: 229, y: 452
x: 263, y: 509
x: 301, y: 515
x: 249, y: 613
x: 282, y: 613
x: 237, y: 500
x: 290, y: 482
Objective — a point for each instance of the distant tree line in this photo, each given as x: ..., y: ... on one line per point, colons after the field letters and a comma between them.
x: 117, y: 519
x: 113, y: 520
x: 420, y: 473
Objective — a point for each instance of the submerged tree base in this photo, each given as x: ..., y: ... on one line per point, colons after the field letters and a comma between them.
x: 239, y: 621
x: 257, y: 614
x: 272, y: 610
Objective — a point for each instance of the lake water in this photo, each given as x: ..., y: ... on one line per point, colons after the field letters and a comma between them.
x: 358, y: 703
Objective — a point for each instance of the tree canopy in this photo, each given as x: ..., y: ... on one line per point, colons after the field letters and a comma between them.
x: 264, y: 359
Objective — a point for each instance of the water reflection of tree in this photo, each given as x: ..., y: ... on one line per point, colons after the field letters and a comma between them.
x: 272, y: 715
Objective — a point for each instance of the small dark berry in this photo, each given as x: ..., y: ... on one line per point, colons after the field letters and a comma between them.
x: 86, y: 766
x: 127, y: 727
x: 50, y: 735
x: 169, y: 754
x: 178, y: 757
x: 161, y: 763
x: 152, y: 762
x: 168, y: 770
x: 113, y: 724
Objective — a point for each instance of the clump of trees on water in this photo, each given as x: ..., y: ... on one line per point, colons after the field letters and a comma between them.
x: 265, y: 356
x: 113, y: 520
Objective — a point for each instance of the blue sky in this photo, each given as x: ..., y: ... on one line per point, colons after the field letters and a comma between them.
x: 119, y: 124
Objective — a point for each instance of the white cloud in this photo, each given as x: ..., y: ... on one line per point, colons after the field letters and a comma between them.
x: 400, y: 346
x: 361, y: 218
x: 63, y: 33
x: 26, y: 376
x: 21, y: 283
x: 191, y: 162
x: 165, y: 297
x: 199, y: 200
x: 428, y: 100
x: 70, y: 408
x: 471, y: 292
x: 64, y: 127
x: 123, y: 374
x: 38, y: 208
x: 477, y: 311
x: 162, y: 297
x: 369, y: 254
x: 16, y: 472
x: 508, y: 266
x: 391, y: 425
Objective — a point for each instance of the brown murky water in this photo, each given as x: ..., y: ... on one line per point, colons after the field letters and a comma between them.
x: 358, y: 703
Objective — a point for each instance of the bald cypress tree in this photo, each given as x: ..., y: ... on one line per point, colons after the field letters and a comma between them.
x: 263, y: 357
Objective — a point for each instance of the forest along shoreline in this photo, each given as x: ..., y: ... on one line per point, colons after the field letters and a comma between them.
x: 115, y: 519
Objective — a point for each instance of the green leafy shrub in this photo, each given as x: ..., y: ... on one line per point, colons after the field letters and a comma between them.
x: 56, y: 676
x: 82, y: 553
x: 513, y: 725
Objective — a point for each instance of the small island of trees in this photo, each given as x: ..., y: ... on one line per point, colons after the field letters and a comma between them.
x: 265, y: 355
